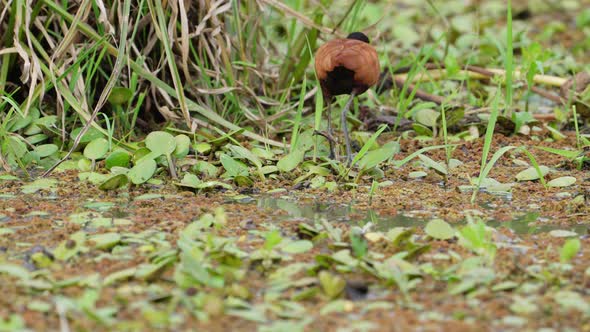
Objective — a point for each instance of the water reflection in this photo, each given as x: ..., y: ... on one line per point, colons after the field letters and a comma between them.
x: 527, y: 223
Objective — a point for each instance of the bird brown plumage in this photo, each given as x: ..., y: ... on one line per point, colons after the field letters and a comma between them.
x: 346, y: 66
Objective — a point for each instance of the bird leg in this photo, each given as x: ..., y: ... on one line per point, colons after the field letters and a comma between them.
x: 345, y: 128
x: 330, y: 131
x: 330, y: 139
x: 329, y: 135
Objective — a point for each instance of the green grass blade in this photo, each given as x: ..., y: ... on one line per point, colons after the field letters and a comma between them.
x: 141, y: 71
x: 535, y: 165
x: 487, y: 144
x: 368, y: 144
x: 509, y: 57
x: 419, y: 152
x: 569, y: 154
x: 486, y: 170
x: 156, y: 6
x: 298, y: 116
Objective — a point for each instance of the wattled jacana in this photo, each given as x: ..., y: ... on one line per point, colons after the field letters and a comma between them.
x: 346, y: 66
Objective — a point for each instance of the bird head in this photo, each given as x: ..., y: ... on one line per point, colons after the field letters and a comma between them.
x: 359, y: 36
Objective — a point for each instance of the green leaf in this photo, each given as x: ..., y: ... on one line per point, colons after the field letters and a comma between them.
x: 96, y: 149
x: 255, y: 314
x: 476, y: 237
x: 564, y: 181
x: 39, y: 184
x: 18, y: 122
x: 105, y: 241
x: 141, y: 153
x: 35, y: 139
x: 120, y: 95
x: 400, y: 163
x: 422, y: 130
x: 268, y: 169
x: 570, y: 300
x: 121, y: 275
x: 213, y: 184
x: 290, y: 161
x: 332, y: 284
x: 272, y: 239
x: 334, y: 306
x: 160, y: 143
x: 71, y: 247
x: 376, y: 157
x: 570, y: 249
x: 39, y: 306
x: 428, y: 162
x: 6, y: 231
x: 233, y: 167
x: 583, y: 19
x: 451, y: 65
x: 14, y: 270
x: 120, y: 158
x: 427, y: 117
x: 317, y: 182
x: 569, y: 154
x: 521, y: 118
x: 505, y: 286
x: 417, y: 174
x: 359, y: 245
x: 92, y: 177
x: 182, y: 148
x: 531, y: 174
x: 8, y: 177
x: 202, y: 148
x: 244, y: 153
x: 368, y: 144
x: 143, y: 171
x: 46, y: 122
x: 114, y: 182
x: 151, y: 271
x: 297, y: 247
x: 90, y: 135
x: 15, y: 147
x: 263, y: 153
x: 463, y: 23
x: 562, y: 233
x: 439, y: 229
x: 46, y: 150
x: 190, y: 180
x: 84, y: 165
x: 243, y: 181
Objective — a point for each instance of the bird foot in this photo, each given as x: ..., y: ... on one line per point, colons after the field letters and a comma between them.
x: 330, y: 139
x: 325, y: 135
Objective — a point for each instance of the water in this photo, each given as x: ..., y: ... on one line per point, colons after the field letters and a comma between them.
x: 528, y: 223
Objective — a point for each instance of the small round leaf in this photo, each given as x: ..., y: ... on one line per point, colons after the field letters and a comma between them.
x: 96, y: 149
x: 564, y: 181
x: 84, y: 164
x: 114, y: 182
x: 160, y: 142
x: 531, y: 174
x: 46, y: 150
x: 439, y: 229
x: 183, y: 144
x: 142, y: 172
x: 91, y: 134
x: 117, y: 158
x: 140, y: 153
x: 202, y: 148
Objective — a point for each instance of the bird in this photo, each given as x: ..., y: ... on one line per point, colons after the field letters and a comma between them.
x: 345, y: 66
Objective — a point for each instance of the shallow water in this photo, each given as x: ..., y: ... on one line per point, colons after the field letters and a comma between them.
x: 528, y: 223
